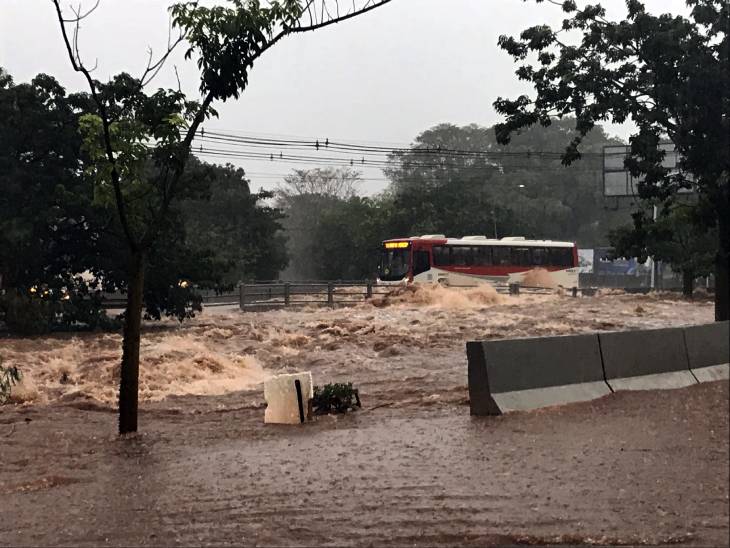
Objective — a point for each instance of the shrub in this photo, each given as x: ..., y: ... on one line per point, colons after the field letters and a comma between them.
x: 84, y: 313
x: 335, y: 398
x: 34, y: 315
x: 26, y: 315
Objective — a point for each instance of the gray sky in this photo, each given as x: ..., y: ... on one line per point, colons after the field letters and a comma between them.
x: 380, y: 78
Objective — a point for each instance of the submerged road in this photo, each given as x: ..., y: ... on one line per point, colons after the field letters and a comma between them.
x: 631, y: 468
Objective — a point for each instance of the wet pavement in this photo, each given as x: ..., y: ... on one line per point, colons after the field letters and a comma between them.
x: 631, y: 468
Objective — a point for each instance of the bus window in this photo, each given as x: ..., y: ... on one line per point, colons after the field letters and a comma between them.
x: 501, y: 255
x: 441, y: 255
x: 483, y: 256
x: 561, y: 256
x: 461, y: 256
x: 521, y: 256
x: 421, y: 262
x: 540, y: 256
x: 394, y: 264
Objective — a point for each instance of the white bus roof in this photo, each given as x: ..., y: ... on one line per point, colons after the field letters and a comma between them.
x: 483, y: 240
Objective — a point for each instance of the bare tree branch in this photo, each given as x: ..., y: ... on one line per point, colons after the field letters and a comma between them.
x: 177, y: 76
x: 368, y: 6
x: 152, y: 69
x: 79, y: 15
x: 78, y: 66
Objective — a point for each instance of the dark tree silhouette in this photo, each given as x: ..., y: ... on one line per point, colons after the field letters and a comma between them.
x: 669, y: 74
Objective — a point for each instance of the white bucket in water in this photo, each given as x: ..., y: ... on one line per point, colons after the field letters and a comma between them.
x: 280, y: 393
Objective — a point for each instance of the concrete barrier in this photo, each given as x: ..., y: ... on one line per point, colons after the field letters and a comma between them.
x: 646, y: 359
x: 708, y: 350
x: 522, y: 374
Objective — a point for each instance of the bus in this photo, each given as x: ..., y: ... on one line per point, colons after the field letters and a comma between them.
x: 467, y: 261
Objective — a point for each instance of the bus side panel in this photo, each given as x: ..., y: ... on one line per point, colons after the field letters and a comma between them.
x: 559, y: 277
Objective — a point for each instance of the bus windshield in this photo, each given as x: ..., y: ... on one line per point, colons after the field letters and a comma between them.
x: 394, y: 264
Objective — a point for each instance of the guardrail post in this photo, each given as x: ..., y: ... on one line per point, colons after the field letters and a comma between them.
x: 242, y: 296
x: 514, y: 289
x: 331, y: 294
x: 287, y: 293
x: 369, y: 291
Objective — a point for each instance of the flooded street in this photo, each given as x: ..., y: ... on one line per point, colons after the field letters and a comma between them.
x: 397, y: 347
x: 412, y: 467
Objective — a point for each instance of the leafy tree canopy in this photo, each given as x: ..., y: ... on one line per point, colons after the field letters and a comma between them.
x: 668, y: 74
x: 516, y: 187
x: 243, y: 227
x: 45, y: 207
x: 675, y: 237
x: 61, y: 239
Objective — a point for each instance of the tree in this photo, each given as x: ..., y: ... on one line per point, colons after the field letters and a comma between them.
x: 460, y: 180
x: 49, y: 226
x: 435, y: 190
x: 55, y: 231
x: 349, y: 236
x: 306, y: 197
x: 674, y: 237
x: 331, y: 182
x: 140, y: 144
x: 39, y: 155
x: 670, y: 75
x: 242, y: 231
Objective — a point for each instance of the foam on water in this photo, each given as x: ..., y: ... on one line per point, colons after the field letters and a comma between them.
x: 539, y: 277
x: 417, y: 332
x: 169, y: 365
x: 443, y: 297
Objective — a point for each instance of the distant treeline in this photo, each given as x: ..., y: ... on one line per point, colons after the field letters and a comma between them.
x: 455, y: 181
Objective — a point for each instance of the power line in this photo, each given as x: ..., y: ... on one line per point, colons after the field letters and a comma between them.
x: 269, y: 157
x: 248, y: 133
x: 332, y: 145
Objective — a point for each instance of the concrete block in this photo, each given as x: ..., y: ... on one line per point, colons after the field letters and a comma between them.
x: 282, y: 405
x: 708, y: 351
x: 646, y: 360
x: 523, y: 374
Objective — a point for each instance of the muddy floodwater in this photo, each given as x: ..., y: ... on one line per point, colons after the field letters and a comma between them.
x: 412, y: 467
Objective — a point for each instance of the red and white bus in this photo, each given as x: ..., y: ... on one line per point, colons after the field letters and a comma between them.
x: 434, y: 258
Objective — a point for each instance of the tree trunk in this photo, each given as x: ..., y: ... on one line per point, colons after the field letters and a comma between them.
x: 129, y: 382
x: 688, y: 283
x: 722, y: 272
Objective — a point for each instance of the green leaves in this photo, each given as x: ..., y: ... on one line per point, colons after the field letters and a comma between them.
x: 146, y: 134
x: 238, y: 229
x: 335, y: 398
x: 229, y: 39
x: 676, y: 237
x: 44, y: 203
x: 666, y: 73
x: 538, y: 37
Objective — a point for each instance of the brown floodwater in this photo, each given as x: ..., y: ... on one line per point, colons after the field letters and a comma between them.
x: 412, y: 341
x: 412, y: 467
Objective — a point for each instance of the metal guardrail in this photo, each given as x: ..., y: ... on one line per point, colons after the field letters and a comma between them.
x: 266, y: 295
x: 224, y: 299
x: 270, y: 295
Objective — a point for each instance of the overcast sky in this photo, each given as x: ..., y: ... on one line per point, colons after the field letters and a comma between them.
x: 380, y: 78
